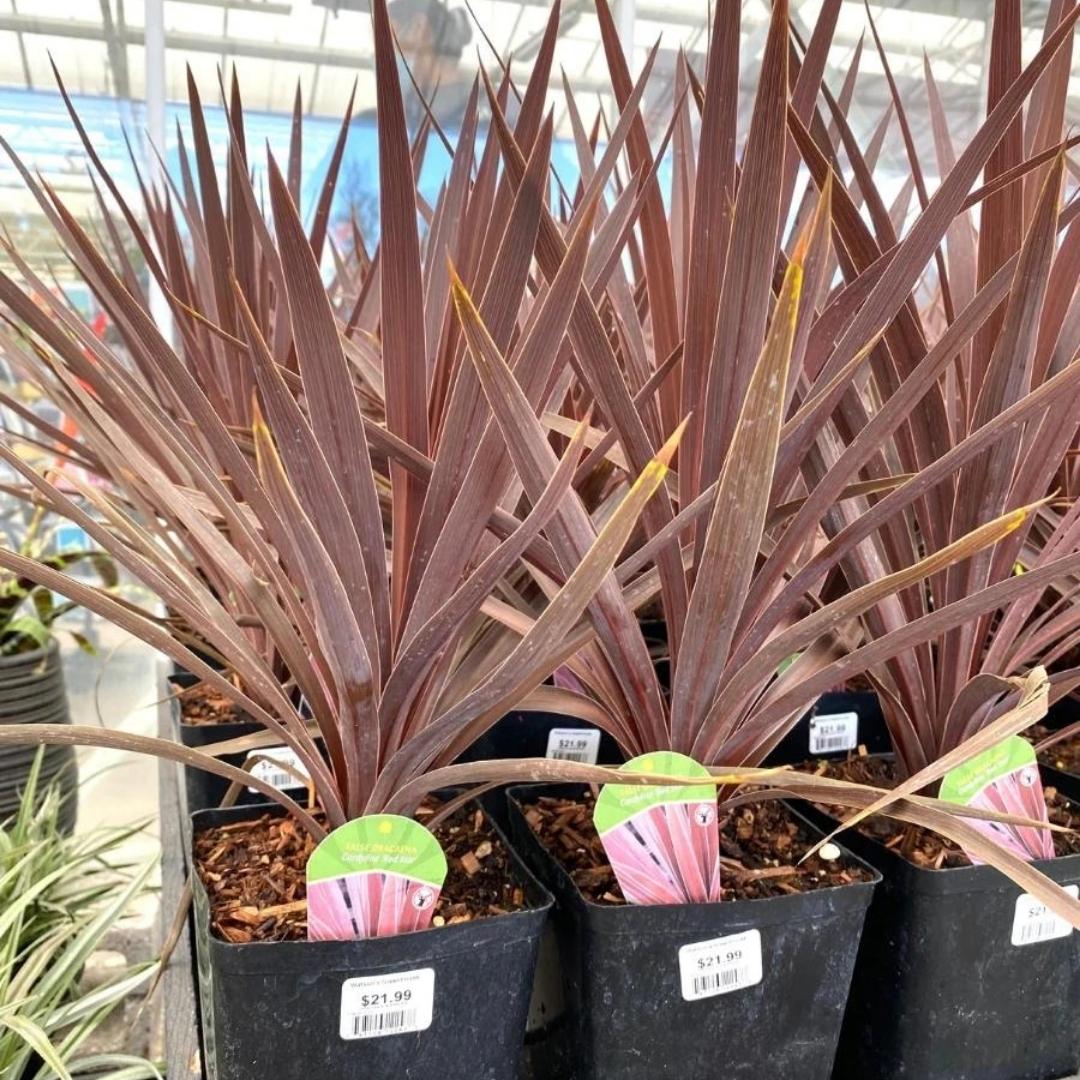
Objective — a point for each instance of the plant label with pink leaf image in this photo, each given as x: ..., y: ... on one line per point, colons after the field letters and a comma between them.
x: 1004, y: 778
x: 662, y: 839
x: 376, y: 876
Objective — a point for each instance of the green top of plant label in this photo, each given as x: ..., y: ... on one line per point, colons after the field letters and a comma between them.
x: 620, y: 802
x: 386, y: 843
x: 962, y: 783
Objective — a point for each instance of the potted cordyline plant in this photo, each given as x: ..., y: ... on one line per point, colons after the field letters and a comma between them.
x: 732, y: 698
x: 199, y: 231
x: 989, y: 395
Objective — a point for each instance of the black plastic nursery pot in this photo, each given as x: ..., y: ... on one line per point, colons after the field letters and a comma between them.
x: 287, y: 1010
x: 839, y: 722
x: 544, y: 734
x: 1063, y: 713
x: 203, y: 790
x: 205, y: 657
x: 540, y: 734
x: 960, y: 976
x: 626, y: 973
x: 32, y: 691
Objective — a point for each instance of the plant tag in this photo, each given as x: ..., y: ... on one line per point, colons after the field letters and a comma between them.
x: 374, y: 877
x: 1034, y: 921
x: 379, y: 1005
x: 663, y: 840
x: 720, y: 966
x: 1004, y: 778
x: 574, y: 744
x: 270, y: 771
x: 833, y: 732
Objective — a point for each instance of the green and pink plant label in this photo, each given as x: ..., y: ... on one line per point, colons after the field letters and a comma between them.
x: 1004, y: 778
x: 662, y: 839
x: 375, y: 876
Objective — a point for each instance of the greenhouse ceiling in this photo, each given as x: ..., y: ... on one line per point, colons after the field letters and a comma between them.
x: 324, y: 47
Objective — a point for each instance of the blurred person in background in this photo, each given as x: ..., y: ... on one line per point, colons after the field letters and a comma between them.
x: 432, y: 38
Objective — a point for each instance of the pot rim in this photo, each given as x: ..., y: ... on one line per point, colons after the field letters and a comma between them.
x: 28, y: 659
x: 782, y: 906
x: 376, y: 954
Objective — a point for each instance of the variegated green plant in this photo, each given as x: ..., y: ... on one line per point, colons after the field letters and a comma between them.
x: 59, y: 897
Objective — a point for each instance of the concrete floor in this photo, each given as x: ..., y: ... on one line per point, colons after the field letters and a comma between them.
x: 116, y: 688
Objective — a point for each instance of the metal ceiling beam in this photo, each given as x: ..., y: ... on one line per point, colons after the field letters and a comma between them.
x: 260, y: 7
x: 873, y: 90
x: 117, y: 51
x: 273, y: 50
x: 22, y: 54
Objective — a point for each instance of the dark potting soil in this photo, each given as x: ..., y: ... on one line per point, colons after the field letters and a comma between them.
x: 253, y: 872
x: 202, y: 705
x: 1064, y: 755
x: 921, y: 846
x: 760, y: 847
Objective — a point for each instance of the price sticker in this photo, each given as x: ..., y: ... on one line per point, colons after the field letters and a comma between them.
x: 574, y: 744
x: 269, y: 768
x: 833, y: 732
x: 720, y: 966
x: 1033, y: 921
x: 380, y: 1005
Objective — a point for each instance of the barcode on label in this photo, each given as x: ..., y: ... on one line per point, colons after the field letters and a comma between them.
x: 833, y: 732
x: 1033, y: 921
x: 268, y: 768
x: 719, y: 966
x: 833, y: 742
x: 365, y: 1025
x: 280, y: 780
x: 574, y: 744
x: 705, y: 985
x: 376, y: 1006
x: 572, y: 755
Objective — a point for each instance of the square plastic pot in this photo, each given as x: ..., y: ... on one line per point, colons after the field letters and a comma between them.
x: 940, y: 991
x: 623, y: 1013
x: 1063, y: 713
x: 276, y: 1009
x: 796, y: 745
x: 527, y: 735
x: 203, y: 790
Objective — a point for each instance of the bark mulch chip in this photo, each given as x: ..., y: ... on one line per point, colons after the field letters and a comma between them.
x: 921, y: 846
x: 760, y: 847
x: 253, y: 872
x: 1064, y: 755
x: 202, y: 705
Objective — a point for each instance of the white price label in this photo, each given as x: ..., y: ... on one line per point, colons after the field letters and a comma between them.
x: 832, y: 732
x: 1033, y: 921
x: 719, y: 966
x: 269, y: 769
x: 574, y: 744
x: 395, y: 1004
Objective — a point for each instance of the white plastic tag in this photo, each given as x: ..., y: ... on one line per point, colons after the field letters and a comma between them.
x: 574, y: 744
x: 719, y: 966
x: 394, y: 1004
x: 270, y: 771
x: 1033, y: 921
x: 832, y: 732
